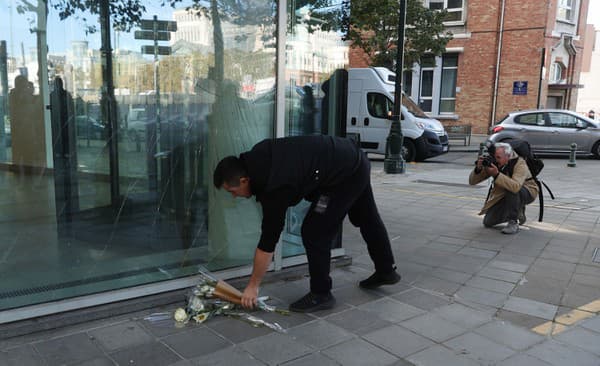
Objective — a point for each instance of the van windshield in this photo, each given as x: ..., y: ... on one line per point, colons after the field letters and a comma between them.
x: 412, y: 106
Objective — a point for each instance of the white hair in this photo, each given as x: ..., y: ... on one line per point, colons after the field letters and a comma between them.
x: 504, y: 146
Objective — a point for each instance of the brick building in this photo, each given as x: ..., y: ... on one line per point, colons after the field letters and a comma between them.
x: 506, y: 55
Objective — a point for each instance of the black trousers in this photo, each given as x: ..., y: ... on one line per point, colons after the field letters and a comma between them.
x: 507, y: 208
x: 354, y: 197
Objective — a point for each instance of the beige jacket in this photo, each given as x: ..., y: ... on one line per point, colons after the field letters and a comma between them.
x: 520, y: 177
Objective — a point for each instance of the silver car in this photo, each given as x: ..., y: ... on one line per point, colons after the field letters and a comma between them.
x: 550, y: 131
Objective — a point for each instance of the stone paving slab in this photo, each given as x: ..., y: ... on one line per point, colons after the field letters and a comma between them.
x: 500, y: 274
x: 320, y: 334
x: 481, y: 296
x: 391, y: 310
x: 70, y: 349
x: 439, y: 355
x: 522, y: 360
x: 582, y: 338
x: 531, y: 307
x: 491, y: 284
x: 558, y: 354
x: 358, y: 352
x: 463, y: 316
x: 480, y: 348
x: 275, y: 348
x: 433, y: 327
x: 398, y: 341
x: 196, y: 342
x: 154, y: 353
x: 510, y: 335
x: 230, y: 356
x: 121, y: 335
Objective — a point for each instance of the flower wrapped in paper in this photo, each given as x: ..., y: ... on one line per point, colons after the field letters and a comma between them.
x: 213, y: 297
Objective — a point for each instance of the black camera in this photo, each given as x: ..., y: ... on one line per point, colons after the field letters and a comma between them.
x: 488, y: 160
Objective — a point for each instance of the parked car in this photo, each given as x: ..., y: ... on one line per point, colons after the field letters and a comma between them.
x: 550, y: 131
x: 89, y: 128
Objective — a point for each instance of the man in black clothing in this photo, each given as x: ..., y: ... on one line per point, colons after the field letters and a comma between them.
x: 332, y: 173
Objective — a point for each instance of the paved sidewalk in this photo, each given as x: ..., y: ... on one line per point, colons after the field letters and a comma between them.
x: 468, y: 295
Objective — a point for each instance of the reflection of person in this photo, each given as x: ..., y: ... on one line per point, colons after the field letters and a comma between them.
x: 27, y: 124
x: 513, y: 187
x: 332, y: 173
x: 307, y: 117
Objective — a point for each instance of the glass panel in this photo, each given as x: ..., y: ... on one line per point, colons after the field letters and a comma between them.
x: 450, y: 60
x: 379, y: 105
x: 447, y: 106
x: 428, y: 61
x: 112, y: 187
x: 563, y: 120
x: 453, y: 16
x: 535, y: 119
x: 448, y: 83
x: 427, y: 83
x: 407, y: 82
x: 455, y: 4
x: 436, y: 4
x: 315, y: 73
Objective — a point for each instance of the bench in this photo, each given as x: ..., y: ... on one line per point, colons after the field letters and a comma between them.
x: 460, y: 132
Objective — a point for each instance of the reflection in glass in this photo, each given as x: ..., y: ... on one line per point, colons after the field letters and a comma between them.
x: 211, y: 96
x: 315, y: 60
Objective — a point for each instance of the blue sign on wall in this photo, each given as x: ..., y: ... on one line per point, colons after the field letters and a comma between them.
x: 519, y: 88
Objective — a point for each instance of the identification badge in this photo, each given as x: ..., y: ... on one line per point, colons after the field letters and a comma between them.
x: 321, y: 205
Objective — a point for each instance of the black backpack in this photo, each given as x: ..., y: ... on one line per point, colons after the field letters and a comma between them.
x: 535, y: 165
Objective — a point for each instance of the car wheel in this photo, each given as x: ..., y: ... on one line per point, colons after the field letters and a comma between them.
x: 409, y: 152
x: 596, y: 150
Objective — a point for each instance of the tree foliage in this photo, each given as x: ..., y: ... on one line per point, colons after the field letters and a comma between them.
x: 372, y: 25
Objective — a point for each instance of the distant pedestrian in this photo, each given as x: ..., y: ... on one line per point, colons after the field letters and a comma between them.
x: 591, y: 114
x: 332, y: 173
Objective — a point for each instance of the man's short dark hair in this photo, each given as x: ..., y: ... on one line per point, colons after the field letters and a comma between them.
x: 229, y: 170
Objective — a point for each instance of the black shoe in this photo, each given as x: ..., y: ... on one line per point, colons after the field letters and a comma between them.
x: 379, y: 279
x: 313, y: 302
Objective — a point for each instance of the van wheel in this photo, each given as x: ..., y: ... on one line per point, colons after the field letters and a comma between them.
x: 409, y: 152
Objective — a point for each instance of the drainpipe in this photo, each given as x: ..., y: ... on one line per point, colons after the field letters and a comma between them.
x: 498, y: 57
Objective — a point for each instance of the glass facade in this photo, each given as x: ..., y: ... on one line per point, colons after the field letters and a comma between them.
x: 108, y: 143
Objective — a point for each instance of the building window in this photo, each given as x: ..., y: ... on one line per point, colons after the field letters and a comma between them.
x: 455, y: 8
x: 556, y: 72
x: 433, y: 84
x: 566, y: 9
x: 448, y: 87
x: 426, y: 85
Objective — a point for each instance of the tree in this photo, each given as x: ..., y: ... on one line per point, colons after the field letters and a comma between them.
x: 372, y: 25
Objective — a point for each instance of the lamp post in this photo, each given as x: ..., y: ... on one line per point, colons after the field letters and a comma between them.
x: 394, y: 161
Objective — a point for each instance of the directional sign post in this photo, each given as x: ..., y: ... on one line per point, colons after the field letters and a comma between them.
x: 156, y: 30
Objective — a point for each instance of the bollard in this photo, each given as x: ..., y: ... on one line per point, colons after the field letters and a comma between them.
x: 481, y: 147
x: 572, y: 162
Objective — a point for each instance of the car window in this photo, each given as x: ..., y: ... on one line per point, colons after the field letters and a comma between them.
x: 534, y: 119
x: 563, y: 120
x: 379, y: 105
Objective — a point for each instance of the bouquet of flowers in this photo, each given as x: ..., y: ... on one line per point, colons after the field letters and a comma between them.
x: 213, y: 297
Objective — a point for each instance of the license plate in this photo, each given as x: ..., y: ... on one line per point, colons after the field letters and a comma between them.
x: 444, y: 148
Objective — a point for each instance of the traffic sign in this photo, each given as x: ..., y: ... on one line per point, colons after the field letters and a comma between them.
x: 162, y: 50
x: 149, y: 35
x: 161, y: 25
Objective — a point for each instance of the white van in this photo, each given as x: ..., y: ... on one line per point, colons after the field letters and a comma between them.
x: 370, y: 105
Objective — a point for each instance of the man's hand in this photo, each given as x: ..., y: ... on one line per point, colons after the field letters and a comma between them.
x: 492, y: 170
x: 249, y: 297
x: 479, y: 163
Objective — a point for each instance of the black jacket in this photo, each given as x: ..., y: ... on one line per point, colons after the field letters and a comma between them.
x: 284, y: 171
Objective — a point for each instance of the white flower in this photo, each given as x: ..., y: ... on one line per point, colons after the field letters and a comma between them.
x: 196, y: 304
x: 180, y: 315
x: 201, y: 317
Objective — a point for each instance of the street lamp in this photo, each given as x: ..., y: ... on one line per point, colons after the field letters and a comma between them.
x: 394, y: 161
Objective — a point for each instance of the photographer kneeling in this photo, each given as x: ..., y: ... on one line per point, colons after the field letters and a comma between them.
x: 513, y: 187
